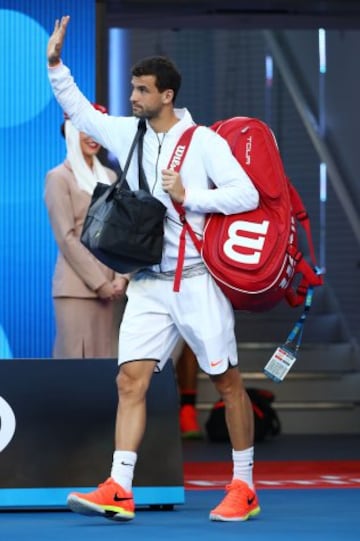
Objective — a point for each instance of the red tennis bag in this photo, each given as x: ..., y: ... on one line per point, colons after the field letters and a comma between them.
x: 254, y: 256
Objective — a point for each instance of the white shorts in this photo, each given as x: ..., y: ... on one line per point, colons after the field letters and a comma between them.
x: 156, y: 317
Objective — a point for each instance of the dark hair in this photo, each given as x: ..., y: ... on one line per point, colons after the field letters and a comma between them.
x: 167, y: 76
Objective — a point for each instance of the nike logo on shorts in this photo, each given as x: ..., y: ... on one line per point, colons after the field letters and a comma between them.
x: 213, y: 364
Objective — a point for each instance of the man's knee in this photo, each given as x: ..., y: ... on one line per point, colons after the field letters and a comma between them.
x: 229, y: 384
x: 131, y: 382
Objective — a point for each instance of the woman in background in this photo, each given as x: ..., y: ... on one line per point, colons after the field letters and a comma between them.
x: 88, y: 296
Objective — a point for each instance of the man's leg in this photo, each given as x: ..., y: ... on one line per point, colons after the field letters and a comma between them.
x: 238, y: 410
x: 113, y: 498
x: 187, y: 373
x: 133, y: 381
x: 241, y: 501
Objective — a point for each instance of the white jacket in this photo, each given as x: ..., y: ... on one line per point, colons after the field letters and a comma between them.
x: 209, y: 163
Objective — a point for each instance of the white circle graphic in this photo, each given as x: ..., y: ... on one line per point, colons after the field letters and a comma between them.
x: 7, y: 424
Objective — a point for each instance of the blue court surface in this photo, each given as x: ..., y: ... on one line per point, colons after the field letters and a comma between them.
x: 314, y: 495
x: 289, y: 515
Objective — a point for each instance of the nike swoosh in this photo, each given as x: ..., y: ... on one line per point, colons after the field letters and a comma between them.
x: 250, y: 500
x: 125, y: 463
x: 121, y: 499
x: 215, y: 363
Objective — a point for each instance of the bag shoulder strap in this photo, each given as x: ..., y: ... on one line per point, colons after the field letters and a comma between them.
x: 310, y: 274
x: 303, y: 218
x: 175, y: 164
x: 138, y: 140
x: 143, y: 184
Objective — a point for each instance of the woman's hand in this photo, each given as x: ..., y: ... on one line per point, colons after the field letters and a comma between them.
x: 106, y: 292
x: 120, y: 284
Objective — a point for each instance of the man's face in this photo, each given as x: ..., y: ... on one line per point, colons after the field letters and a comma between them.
x: 146, y: 100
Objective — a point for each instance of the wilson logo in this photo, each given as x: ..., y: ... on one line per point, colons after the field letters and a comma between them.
x: 237, y: 239
x: 176, y: 160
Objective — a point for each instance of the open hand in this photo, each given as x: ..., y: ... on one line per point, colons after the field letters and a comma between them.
x: 56, y: 40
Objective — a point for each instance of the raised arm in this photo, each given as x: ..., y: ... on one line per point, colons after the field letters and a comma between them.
x: 113, y: 133
x: 56, y: 41
x: 70, y: 98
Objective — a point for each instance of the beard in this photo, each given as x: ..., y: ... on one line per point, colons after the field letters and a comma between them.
x: 146, y: 114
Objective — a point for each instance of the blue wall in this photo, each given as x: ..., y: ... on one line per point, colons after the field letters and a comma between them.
x: 31, y: 144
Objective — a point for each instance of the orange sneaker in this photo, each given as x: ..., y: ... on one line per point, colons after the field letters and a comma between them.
x: 240, y: 503
x: 189, y: 426
x: 109, y: 500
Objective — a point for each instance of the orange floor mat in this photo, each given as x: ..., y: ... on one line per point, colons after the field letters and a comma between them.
x: 277, y: 474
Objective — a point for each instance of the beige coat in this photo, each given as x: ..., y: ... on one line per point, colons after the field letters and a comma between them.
x: 86, y: 326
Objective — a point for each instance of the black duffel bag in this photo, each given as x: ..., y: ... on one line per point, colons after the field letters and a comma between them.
x: 124, y: 229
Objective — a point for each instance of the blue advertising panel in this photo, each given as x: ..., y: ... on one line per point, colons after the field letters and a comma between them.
x: 31, y: 144
x: 70, y: 442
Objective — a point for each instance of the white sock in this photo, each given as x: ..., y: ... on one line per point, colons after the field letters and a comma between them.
x: 243, y: 462
x: 123, y: 466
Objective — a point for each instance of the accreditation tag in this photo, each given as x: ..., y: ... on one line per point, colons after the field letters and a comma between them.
x: 279, y: 364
